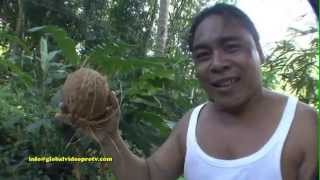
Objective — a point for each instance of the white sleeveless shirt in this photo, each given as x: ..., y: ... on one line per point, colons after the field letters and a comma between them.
x: 261, y: 165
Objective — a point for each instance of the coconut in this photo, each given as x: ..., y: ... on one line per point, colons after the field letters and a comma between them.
x: 87, y: 98
x: 86, y: 95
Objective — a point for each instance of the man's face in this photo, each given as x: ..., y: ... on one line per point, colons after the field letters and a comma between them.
x: 227, y: 61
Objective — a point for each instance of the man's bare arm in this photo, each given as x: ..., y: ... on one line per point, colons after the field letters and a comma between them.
x: 165, y: 164
x: 125, y: 165
x: 168, y: 161
x: 308, y: 169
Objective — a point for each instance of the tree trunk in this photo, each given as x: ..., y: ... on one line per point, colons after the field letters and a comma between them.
x: 20, y: 19
x: 162, y: 27
x: 19, y: 29
x: 147, y: 35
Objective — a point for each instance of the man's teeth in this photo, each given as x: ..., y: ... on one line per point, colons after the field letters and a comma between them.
x: 227, y: 83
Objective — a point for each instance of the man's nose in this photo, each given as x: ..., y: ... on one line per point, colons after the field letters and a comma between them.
x: 218, y: 63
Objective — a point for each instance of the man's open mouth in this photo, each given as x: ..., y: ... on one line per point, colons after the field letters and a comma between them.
x: 225, y: 82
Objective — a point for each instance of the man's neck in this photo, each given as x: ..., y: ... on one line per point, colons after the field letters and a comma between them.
x: 246, y: 108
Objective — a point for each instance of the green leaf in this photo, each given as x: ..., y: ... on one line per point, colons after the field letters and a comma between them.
x: 44, y: 55
x: 64, y: 42
x: 111, y: 65
x: 15, y: 69
x: 15, y: 39
x: 156, y: 121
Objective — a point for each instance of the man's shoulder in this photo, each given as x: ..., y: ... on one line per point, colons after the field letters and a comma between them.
x: 183, y: 123
x: 306, y: 110
x: 306, y: 115
x: 304, y: 129
x: 302, y: 109
x: 182, y: 127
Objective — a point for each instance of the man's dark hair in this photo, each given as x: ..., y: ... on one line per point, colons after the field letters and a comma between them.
x: 224, y: 10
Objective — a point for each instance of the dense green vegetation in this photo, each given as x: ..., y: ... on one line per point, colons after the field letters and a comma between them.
x: 41, y: 41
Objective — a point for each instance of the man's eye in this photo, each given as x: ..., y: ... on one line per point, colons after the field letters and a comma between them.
x: 202, y: 55
x: 232, y: 48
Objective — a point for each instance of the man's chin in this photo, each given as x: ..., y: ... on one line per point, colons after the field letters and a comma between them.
x: 227, y: 104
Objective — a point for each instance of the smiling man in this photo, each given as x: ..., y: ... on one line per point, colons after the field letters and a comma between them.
x: 243, y: 132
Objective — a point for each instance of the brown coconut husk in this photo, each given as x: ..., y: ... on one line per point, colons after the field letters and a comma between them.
x: 87, y: 97
x: 90, y: 102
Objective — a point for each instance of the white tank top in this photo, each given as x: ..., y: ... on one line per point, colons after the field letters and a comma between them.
x: 261, y: 165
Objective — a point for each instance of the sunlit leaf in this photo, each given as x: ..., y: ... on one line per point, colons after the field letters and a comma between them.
x: 64, y: 42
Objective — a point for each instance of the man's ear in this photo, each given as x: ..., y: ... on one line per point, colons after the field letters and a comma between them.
x: 195, y: 68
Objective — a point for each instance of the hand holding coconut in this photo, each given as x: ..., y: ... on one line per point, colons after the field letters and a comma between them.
x: 89, y: 104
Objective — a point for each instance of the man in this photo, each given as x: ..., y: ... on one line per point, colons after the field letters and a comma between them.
x: 244, y: 131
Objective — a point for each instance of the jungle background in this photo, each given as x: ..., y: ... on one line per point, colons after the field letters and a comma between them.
x: 140, y: 45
